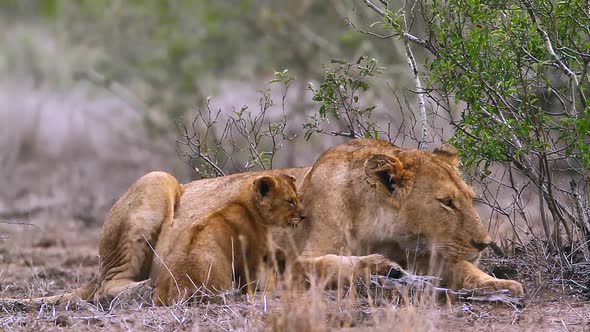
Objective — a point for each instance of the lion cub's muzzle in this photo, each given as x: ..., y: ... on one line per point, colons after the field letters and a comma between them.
x: 294, y: 222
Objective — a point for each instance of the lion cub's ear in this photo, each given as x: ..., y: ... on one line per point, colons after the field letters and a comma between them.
x: 291, y: 178
x: 264, y: 185
x: 387, y: 171
x: 449, y: 153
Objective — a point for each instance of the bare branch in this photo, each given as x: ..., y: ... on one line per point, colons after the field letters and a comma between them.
x: 424, y: 284
x: 421, y: 102
x: 549, y: 45
x: 18, y: 223
x: 404, y: 35
x: 248, y: 140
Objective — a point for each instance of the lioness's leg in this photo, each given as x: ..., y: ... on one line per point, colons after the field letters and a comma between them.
x: 131, y: 230
x: 340, y: 270
x: 466, y: 275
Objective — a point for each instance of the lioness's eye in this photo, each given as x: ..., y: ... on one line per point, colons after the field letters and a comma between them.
x: 291, y: 202
x: 447, y: 201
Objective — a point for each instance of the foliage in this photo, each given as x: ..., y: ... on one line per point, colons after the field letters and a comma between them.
x: 218, y: 142
x: 520, y: 71
x: 339, y: 96
x: 494, y: 57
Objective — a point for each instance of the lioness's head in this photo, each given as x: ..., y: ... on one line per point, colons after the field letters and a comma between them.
x: 277, y: 200
x: 429, y: 206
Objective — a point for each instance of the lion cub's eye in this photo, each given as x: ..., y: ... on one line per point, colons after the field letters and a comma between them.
x: 291, y: 202
x: 447, y: 201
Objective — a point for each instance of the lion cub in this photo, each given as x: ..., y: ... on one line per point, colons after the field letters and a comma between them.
x: 230, y: 243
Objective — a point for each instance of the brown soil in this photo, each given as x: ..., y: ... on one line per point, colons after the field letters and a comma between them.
x: 61, y: 255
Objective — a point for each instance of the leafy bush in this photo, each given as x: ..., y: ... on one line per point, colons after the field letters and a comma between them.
x: 519, y: 71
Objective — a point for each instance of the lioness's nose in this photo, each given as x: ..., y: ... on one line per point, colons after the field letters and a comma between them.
x: 480, y: 245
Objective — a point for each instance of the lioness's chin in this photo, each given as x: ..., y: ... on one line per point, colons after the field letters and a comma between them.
x: 452, y: 260
x: 471, y: 256
x: 474, y: 258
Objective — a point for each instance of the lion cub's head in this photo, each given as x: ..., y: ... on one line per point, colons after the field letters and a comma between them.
x: 431, y: 206
x: 277, y: 201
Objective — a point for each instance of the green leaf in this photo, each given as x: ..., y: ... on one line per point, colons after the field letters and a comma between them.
x: 49, y: 8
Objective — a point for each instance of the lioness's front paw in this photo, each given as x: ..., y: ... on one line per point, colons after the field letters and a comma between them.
x: 514, y: 287
x: 379, y: 264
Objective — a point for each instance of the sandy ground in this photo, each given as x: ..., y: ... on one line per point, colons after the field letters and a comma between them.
x: 58, y: 255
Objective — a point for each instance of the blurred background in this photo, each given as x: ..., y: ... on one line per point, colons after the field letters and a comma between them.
x: 91, y: 92
x: 94, y: 94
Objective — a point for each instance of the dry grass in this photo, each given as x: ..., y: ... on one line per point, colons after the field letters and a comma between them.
x: 36, y: 263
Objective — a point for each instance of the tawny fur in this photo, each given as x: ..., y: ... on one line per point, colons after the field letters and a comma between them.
x: 362, y: 197
x: 131, y: 230
x: 226, y: 247
x: 412, y: 206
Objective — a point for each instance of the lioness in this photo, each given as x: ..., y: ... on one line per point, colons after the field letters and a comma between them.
x: 371, y: 197
x: 229, y: 242
x: 364, y: 197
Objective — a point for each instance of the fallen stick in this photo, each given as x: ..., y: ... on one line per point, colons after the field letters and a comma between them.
x: 424, y: 284
x: 7, y: 222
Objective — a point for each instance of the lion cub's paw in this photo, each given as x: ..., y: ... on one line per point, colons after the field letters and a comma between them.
x: 514, y: 287
x: 379, y: 264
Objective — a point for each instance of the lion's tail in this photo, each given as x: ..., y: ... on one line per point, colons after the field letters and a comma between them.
x: 84, y: 293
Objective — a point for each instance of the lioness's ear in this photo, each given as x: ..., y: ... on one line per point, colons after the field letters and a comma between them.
x: 264, y: 185
x: 385, y: 170
x: 448, y: 152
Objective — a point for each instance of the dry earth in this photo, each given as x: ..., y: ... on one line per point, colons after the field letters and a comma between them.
x: 57, y: 255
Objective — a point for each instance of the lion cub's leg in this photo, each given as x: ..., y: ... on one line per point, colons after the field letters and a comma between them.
x: 203, y: 284
x: 465, y: 274
x: 199, y: 265
x: 131, y: 230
